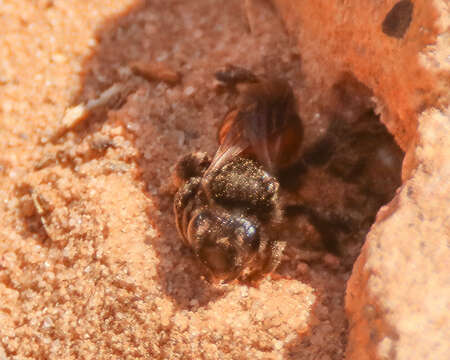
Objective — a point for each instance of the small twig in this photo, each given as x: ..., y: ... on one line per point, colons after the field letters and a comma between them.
x: 41, y: 212
x: 156, y: 71
x: 75, y: 115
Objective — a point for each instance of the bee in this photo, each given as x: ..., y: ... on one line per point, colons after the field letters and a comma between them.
x: 227, y: 209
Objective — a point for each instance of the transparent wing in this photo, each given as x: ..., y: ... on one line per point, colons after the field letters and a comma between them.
x: 233, y: 144
x: 247, y: 131
x: 265, y: 126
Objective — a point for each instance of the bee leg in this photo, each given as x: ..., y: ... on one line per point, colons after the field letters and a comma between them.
x: 184, y: 205
x: 329, y: 226
x: 273, y: 255
x: 234, y: 275
x: 231, y: 75
x: 327, y: 223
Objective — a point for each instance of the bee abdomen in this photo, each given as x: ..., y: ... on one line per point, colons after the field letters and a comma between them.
x: 184, y: 204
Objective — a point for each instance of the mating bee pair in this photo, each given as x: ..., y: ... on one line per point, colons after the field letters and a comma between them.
x: 227, y: 208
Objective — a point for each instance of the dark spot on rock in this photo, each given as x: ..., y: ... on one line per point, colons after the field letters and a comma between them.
x: 398, y: 19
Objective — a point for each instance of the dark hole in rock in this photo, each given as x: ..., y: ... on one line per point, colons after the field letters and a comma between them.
x: 334, y: 192
x: 344, y: 176
x: 398, y: 19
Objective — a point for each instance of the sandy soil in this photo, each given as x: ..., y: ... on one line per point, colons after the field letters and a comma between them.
x: 91, y: 265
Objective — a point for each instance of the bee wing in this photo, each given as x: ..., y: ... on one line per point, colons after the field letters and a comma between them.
x: 271, y: 124
x: 259, y: 130
x: 245, y: 129
x: 232, y: 142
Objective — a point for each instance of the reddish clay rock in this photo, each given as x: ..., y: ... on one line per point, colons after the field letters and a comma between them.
x: 336, y: 36
x: 398, y: 296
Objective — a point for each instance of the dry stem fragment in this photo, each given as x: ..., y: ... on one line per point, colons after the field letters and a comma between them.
x: 41, y: 211
x: 156, y: 71
x: 75, y: 115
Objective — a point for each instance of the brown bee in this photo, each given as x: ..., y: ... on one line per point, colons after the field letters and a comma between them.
x: 227, y: 209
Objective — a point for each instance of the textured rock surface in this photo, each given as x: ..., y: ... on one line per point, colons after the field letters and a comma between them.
x: 398, y: 298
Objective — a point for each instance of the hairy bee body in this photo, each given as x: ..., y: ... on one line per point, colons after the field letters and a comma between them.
x: 227, y: 209
x: 226, y: 219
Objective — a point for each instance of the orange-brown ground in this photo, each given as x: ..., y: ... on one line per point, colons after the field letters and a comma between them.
x: 91, y: 265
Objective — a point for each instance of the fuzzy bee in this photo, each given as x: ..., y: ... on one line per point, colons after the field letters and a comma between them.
x: 227, y: 208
